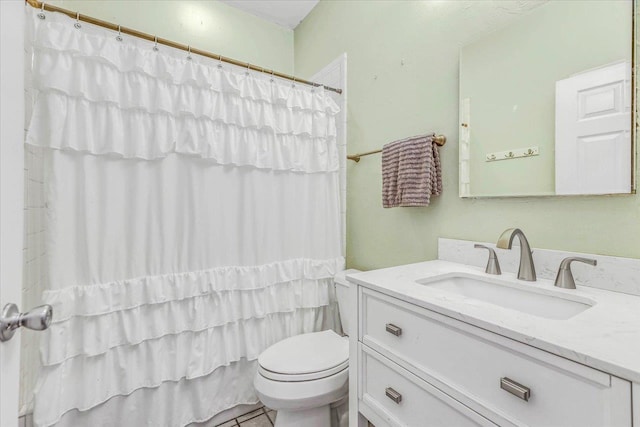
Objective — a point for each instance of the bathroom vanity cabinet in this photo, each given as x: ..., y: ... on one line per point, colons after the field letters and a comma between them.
x: 414, y: 366
x: 419, y: 368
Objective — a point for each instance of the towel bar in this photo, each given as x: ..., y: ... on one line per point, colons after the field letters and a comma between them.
x: 439, y: 140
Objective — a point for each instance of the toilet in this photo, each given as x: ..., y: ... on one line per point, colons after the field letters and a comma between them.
x: 306, y: 377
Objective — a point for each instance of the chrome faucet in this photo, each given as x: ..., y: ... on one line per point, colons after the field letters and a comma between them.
x: 493, y: 266
x: 564, y: 279
x: 527, y: 270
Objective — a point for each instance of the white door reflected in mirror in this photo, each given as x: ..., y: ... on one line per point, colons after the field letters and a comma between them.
x: 593, y: 131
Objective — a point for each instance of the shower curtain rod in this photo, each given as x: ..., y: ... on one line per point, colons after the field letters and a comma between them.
x: 135, y: 33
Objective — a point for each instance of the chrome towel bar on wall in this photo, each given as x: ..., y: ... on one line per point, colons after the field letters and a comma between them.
x: 440, y: 140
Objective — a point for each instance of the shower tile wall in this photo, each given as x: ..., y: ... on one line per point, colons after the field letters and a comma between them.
x: 33, y: 270
x: 33, y: 277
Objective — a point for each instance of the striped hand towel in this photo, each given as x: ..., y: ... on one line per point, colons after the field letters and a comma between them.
x: 411, y: 172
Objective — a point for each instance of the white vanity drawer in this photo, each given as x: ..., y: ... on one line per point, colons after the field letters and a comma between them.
x: 399, y: 398
x: 468, y: 363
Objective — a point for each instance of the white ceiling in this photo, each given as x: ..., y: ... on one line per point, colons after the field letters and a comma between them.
x: 287, y: 13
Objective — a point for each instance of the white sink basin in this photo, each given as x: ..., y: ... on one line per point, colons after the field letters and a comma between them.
x: 520, y: 297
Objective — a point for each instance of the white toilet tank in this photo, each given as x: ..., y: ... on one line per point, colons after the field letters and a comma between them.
x: 343, y: 295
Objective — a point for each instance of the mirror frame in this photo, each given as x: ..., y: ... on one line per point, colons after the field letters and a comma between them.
x: 634, y: 96
x: 635, y: 115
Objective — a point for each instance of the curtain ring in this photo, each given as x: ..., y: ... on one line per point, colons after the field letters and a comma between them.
x: 294, y: 82
x: 248, y: 69
x: 189, y: 54
x: 155, y: 46
x: 272, y: 79
x: 119, y: 36
x: 78, y: 25
x: 41, y: 15
x: 219, y: 61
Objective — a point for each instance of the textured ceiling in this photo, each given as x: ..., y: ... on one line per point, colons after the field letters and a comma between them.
x: 287, y: 13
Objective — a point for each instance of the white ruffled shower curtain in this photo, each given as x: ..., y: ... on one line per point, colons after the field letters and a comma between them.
x: 192, y: 220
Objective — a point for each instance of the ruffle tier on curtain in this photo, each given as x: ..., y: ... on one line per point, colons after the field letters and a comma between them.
x: 193, y: 219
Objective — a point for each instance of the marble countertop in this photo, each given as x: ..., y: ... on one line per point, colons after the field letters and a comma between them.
x: 606, y: 336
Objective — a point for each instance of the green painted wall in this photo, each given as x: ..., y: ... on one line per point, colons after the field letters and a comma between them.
x: 208, y: 25
x: 388, y: 100
x: 510, y: 78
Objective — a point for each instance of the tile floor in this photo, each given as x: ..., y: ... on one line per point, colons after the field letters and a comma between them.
x: 25, y: 421
x: 262, y: 417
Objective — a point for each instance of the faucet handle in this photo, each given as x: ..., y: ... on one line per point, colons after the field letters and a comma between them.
x: 493, y: 266
x: 564, y: 278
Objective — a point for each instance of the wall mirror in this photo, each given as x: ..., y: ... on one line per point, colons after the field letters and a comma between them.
x: 546, y: 103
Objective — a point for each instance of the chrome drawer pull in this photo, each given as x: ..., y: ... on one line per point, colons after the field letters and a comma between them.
x: 393, y: 395
x: 393, y: 329
x: 517, y: 389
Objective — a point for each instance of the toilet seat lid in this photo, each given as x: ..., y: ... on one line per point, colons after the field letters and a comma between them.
x: 315, y: 352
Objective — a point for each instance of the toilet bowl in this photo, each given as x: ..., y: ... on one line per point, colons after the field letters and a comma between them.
x: 305, y: 376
